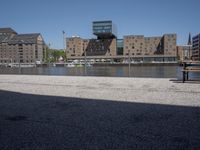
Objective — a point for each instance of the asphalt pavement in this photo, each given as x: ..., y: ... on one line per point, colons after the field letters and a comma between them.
x: 35, y: 114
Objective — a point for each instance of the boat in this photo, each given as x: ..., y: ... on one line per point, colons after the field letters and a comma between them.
x: 70, y: 65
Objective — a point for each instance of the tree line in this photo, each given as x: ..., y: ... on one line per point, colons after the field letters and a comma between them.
x: 54, y: 55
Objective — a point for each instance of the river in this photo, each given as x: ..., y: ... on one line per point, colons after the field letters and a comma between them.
x: 108, y: 71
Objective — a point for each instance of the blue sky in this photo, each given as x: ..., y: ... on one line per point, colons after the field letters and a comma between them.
x: 143, y: 17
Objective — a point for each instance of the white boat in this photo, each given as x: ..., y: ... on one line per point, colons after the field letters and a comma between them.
x: 70, y: 65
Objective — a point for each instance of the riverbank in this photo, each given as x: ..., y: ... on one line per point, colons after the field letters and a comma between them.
x: 65, y: 112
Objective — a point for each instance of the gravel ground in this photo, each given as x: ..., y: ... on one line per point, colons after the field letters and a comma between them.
x: 142, y: 90
x: 57, y: 112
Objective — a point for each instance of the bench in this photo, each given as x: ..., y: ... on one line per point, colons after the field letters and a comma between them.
x: 190, y: 66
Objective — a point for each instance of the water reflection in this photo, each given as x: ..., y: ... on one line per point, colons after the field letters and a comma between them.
x: 110, y: 71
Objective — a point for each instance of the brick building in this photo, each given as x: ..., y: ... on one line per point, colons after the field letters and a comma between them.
x: 23, y: 48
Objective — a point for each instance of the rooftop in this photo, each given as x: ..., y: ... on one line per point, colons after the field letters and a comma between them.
x: 7, y: 30
x: 24, y: 38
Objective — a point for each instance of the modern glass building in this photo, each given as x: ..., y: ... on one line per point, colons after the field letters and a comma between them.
x: 104, y: 29
x: 120, y: 46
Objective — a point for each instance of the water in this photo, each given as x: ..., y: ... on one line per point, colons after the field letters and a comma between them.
x: 109, y: 71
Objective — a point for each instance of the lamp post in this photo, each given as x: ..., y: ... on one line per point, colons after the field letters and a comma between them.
x: 85, y: 61
x: 129, y: 64
x: 19, y: 61
x: 64, y: 47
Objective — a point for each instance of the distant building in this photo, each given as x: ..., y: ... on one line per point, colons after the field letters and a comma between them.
x: 138, y: 45
x: 184, y: 52
x: 161, y: 48
x: 76, y: 46
x: 104, y: 45
x: 23, y: 48
x: 196, y: 47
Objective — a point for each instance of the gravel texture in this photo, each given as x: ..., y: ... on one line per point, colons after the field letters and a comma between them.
x: 144, y: 90
x: 94, y: 113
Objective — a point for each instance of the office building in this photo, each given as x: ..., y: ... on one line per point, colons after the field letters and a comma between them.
x: 104, y: 29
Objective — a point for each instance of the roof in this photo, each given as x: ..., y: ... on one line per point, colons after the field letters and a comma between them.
x: 7, y: 30
x: 24, y: 39
x: 5, y: 38
x: 103, y: 21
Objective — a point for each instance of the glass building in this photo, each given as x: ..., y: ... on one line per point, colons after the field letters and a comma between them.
x: 120, y: 46
x: 104, y: 29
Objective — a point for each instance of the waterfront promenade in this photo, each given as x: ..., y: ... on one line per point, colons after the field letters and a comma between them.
x: 65, y: 112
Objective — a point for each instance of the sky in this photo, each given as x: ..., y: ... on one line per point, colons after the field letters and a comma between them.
x: 75, y: 17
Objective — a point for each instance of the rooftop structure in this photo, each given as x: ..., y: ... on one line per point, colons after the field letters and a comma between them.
x: 104, y: 29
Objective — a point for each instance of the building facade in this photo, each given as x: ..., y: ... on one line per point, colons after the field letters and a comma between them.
x: 107, y: 44
x: 138, y: 45
x: 76, y: 46
x: 104, y: 45
x: 196, y: 47
x: 184, y: 52
x: 20, y: 48
x: 101, y: 47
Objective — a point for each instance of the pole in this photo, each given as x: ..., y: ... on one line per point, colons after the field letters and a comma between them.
x: 19, y: 62
x: 85, y: 66
x: 129, y: 64
x: 64, y: 47
x: 63, y: 40
x: 48, y: 56
x: 189, y: 53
